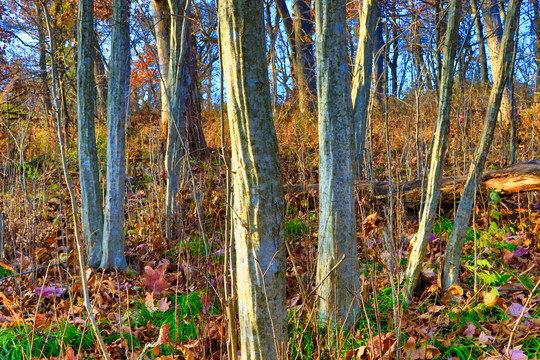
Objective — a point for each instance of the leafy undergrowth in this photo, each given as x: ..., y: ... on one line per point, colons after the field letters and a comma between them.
x: 170, y: 302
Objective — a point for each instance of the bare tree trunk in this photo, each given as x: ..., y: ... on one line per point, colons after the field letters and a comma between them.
x: 43, y: 61
x: 176, y: 95
x: 337, y: 263
x: 482, y: 58
x: 302, y: 58
x: 378, y: 58
x: 101, y: 81
x: 361, y: 81
x: 258, y: 194
x: 452, y: 263
x: 536, y: 23
x: 113, y: 231
x: 162, y: 26
x: 195, y: 141
x: 440, y: 143
x: 305, y: 59
x: 494, y: 32
x: 91, y: 198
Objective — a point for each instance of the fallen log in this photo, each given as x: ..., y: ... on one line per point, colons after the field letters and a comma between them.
x: 516, y: 178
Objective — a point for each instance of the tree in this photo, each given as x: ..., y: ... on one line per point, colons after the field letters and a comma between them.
x: 91, y: 198
x: 494, y: 32
x: 482, y: 59
x: 438, y: 152
x: 505, y: 59
x: 337, y: 263
x: 361, y: 80
x: 117, y: 100
x: 303, y: 61
x: 256, y: 177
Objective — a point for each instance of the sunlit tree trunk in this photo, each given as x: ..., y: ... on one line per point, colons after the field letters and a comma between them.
x: 461, y: 220
x: 113, y: 232
x: 91, y: 198
x: 258, y: 207
x: 162, y: 27
x: 438, y: 153
x: 494, y: 32
x: 361, y: 80
x: 338, y: 284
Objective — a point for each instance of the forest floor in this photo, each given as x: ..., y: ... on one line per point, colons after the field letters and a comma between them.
x: 170, y: 304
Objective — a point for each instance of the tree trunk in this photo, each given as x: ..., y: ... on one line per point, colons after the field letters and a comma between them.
x: 361, y: 81
x: 378, y: 59
x: 195, y: 141
x: 113, y: 233
x: 494, y: 32
x: 91, y: 198
x: 452, y: 263
x: 162, y: 26
x: 305, y: 59
x: 536, y: 24
x: 438, y: 153
x: 256, y: 177
x: 482, y: 58
x: 302, y: 59
x: 101, y: 81
x: 176, y: 95
x: 47, y: 101
x: 337, y: 263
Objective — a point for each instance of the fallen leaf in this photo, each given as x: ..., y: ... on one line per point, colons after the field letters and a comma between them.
x: 490, y: 297
x: 206, y: 303
x: 427, y: 352
x: 50, y: 291
x: 164, y: 304
x: 516, y: 309
x: 149, y: 302
x: 163, y: 337
x: 469, y: 332
x: 188, y: 354
x: 484, y: 339
x: 515, y: 354
x: 155, y: 278
x: 507, y: 256
x: 371, y: 223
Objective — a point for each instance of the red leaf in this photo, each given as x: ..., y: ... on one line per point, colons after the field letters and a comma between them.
x: 155, y: 278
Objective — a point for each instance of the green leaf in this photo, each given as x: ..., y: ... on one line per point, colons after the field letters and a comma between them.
x: 494, y: 196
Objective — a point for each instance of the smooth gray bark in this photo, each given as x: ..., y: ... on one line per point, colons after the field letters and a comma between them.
x: 338, y: 285
x: 91, y: 198
x: 176, y: 96
x: 494, y: 32
x: 361, y: 80
x: 461, y: 220
x: 162, y: 27
x: 113, y: 233
x: 440, y: 143
x: 258, y: 206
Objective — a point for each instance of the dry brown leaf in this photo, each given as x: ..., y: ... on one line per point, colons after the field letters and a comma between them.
x: 155, y: 278
x: 490, y: 299
x: 371, y: 223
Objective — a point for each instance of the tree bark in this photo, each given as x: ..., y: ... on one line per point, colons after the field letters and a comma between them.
x: 305, y: 59
x: 162, y: 27
x: 482, y: 58
x: 536, y: 24
x: 176, y: 95
x: 337, y: 263
x: 378, y: 58
x: 258, y: 194
x: 361, y: 81
x: 100, y: 76
x: 113, y: 231
x: 438, y: 153
x: 91, y: 198
x: 494, y: 32
x: 452, y: 263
